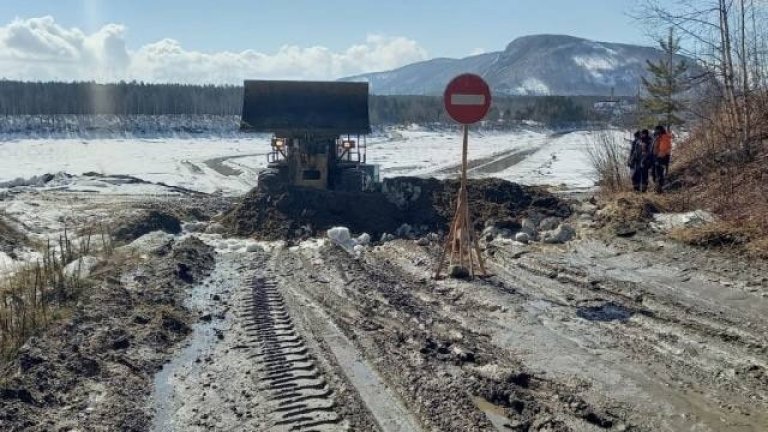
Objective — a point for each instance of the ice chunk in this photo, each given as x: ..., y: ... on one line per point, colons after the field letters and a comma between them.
x: 340, y: 237
x: 670, y: 221
x: 364, y: 239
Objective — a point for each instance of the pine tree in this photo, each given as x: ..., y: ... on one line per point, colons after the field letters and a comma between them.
x: 669, y: 79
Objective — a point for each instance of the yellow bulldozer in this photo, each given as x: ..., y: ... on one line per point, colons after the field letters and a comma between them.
x: 318, y: 133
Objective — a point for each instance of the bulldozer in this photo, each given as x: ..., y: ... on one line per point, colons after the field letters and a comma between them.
x: 318, y: 133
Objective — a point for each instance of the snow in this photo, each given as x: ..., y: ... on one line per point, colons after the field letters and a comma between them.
x: 596, y: 63
x: 175, y: 161
x: 438, y: 154
x: 134, y: 167
x: 532, y: 86
x: 670, y: 221
x: 81, y: 267
x: 128, y: 170
x: 560, y: 161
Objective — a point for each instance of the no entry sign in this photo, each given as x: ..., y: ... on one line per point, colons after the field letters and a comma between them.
x: 467, y: 98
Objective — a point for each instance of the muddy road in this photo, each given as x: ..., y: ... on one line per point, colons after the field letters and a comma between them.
x: 627, y: 335
x: 598, y: 334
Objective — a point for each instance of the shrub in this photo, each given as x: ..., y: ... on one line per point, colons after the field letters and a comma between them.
x: 608, y: 155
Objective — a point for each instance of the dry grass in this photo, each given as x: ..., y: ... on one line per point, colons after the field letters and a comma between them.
x: 38, y: 293
x: 619, y: 208
x: 758, y: 248
x: 715, y: 173
x: 608, y: 155
x: 717, y: 234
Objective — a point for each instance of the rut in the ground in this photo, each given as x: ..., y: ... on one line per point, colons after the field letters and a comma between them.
x: 300, y: 397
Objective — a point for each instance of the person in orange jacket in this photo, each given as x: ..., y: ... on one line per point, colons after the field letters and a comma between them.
x: 662, y: 150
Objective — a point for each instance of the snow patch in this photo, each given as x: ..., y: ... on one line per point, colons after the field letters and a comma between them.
x: 532, y: 86
x: 670, y: 221
x: 81, y: 267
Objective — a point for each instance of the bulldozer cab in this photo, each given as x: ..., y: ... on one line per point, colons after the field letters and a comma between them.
x: 318, y: 132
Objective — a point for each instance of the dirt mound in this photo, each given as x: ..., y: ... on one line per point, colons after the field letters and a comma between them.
x: 424, y: 204
x: 117, y: 337
x: 146, y: 222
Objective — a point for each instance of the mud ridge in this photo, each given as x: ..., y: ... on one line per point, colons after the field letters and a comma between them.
x: 300, y: 396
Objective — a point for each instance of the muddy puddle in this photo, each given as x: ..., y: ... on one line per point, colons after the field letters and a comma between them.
x: 205, y: 300
x: 495, y: 414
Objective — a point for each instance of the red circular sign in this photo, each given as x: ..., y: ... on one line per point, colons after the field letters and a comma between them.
x: 467, y: 98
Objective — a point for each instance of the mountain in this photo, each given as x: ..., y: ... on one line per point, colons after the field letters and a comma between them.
x: 530, y: 65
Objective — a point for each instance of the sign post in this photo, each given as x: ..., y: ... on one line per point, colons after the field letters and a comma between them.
x: 467, y: 99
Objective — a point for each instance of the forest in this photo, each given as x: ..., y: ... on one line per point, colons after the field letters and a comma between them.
x: 19, y: 98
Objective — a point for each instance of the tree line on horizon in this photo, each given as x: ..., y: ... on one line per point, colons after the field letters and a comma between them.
x: 139, y: 98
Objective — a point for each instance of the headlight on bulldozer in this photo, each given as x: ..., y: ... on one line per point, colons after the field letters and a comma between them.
x: 348, y: 144
x: 278, y: 143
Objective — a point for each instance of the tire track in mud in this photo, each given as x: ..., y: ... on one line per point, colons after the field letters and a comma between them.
x: 300, y: 397
x: 656, y: 311
x: 446, y: 372
x: 684, y: 345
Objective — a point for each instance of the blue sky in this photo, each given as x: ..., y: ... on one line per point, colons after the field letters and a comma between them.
x: 443, y: 28
x: 349, y: 36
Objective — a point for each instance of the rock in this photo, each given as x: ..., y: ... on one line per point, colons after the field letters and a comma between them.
x: 215, y: 228
x: 625, y: 230
x: 550, y: 223
x: 156, y: 243
x: 423, y: 241
x: 253, y: 247
x: 387, y: 237
x: 462, y: 354
x: 522, y: 237
x: 195, y: 227
x: 492, y: 232
x: 81, y: 268
x: 488, y: 234
x: 458, y: 272
x: 588, y: 208
x: 364, y: 239
x: 564, y: 233
x: 529, y: 227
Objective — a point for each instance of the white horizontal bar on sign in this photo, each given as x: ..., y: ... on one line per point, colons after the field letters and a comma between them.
x: 467, y: 99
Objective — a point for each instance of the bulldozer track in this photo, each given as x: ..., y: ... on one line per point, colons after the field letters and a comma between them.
x: 300, y: 398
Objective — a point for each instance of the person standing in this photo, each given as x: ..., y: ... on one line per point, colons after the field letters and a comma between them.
x: 662, y: 151
x: 643, y: 160
x: 635, y: 163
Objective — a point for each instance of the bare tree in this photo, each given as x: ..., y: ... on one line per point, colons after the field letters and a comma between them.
x: 718, y: 36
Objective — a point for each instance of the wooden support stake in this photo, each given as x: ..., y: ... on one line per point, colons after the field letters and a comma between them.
x: 461, y: 239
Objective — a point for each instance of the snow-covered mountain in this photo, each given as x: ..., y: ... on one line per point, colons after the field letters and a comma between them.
x: 530, y: 65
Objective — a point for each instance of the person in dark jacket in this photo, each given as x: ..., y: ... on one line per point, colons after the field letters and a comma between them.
x: 634, y: 162
x: 641, y: 160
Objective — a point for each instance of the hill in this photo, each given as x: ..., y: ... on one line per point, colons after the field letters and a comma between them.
x: 531, y: 65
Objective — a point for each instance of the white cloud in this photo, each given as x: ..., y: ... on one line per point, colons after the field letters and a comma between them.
x: 41, y: 49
